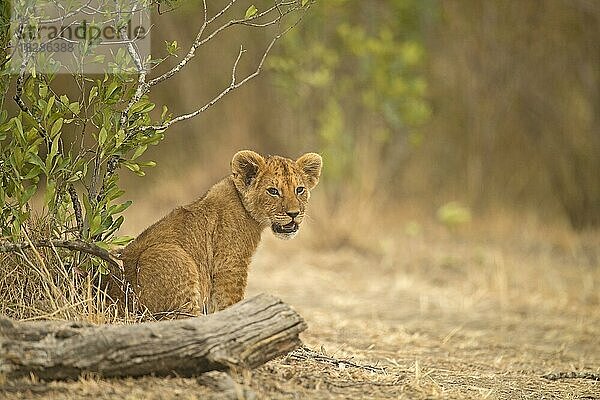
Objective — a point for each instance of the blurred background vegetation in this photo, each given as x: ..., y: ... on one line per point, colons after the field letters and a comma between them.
x: 477, y: 106
x: 494, y: 104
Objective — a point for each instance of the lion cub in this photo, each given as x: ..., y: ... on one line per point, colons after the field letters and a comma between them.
x: 196, y: 259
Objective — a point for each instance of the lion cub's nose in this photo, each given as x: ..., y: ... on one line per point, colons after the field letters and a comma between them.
x: 293, y: 214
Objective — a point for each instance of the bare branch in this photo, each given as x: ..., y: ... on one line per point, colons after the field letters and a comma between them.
x: 75, y: 245
x: 19, y: 100
x: 135, y: 56
x: 67, y: 15
x: 232, y: 86
x: 223, y: 11
x: 199, y: 41
x: 191, y: 53
x: 19, y: 85
x: 235, y: 64
x: 111, y: 258
x: 76, y: 208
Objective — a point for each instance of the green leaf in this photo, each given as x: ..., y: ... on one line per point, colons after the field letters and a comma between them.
x: 119, y: 138
x: 54, y: 146
x: 27, y: 194
x: 102, y: 136
x: 33, y: 138
x: 153, y: 140
x: 304, y: 3
x: 121, y: 240
x: 86, y: 205
x: 172, y: 47
x: 103, y: 269
x: 113, y: 194
x: 251, y: 12
x: 36, y: 160
x: 95, y: 225
x: 57, y: 126
x: 18, y: 125
x: 102, y: 245
x: 113, y: 87
x: 5, y: 127
x: 52, y: 154
x: 43, y: 90
x: 29, y: 119
x: 165, y: 110
x: 93, y: 94
x: 139, y: 151
x: 142, y: 106
x: 113, y: 226
x: 119, y: 208
x: 33, y: 172
x: 99, y: 58
x: 50, y: 191
x: 132, y: 166
x: 75, y: 107
x: 49, y: 106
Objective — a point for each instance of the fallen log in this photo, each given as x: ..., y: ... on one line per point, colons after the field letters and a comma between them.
x: 246, y: 335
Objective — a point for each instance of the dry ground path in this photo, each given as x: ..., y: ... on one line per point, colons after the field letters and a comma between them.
x: 435, y: 316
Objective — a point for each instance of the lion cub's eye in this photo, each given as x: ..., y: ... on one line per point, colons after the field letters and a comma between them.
x: 300, y: 190
x: 273, y: 191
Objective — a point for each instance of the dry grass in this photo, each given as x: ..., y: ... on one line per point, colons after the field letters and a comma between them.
x: 45, y: 283
x: 485, y: 311
x: 56, y: 284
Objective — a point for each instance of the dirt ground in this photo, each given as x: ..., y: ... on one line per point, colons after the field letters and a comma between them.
x: 427, y: 314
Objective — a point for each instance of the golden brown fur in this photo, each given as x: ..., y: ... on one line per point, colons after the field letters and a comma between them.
x: 196, y: 258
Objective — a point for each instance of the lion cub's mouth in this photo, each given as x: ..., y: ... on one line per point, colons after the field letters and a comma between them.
x: 291, y: 227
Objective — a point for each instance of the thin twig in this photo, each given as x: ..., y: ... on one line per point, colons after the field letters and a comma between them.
x: 235, y: 64
x: 304, y: 353
x: 223, y: 11
x: 111, y: 167
x: 572, y: 375
x: 67, y: 15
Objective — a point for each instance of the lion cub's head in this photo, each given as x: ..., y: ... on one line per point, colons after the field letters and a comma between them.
x: 275, y: 190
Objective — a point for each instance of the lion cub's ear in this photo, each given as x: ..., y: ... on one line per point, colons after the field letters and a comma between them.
x: 245, y: 166
x: 311, y: 164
